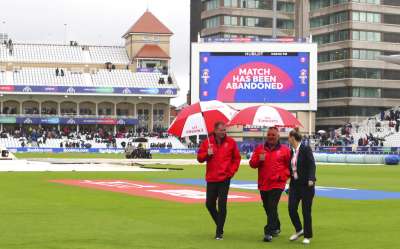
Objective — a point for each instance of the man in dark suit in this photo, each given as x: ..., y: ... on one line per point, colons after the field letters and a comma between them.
x: 302, y: 186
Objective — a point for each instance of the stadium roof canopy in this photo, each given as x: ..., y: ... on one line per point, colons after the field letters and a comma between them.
x: 148, y: 24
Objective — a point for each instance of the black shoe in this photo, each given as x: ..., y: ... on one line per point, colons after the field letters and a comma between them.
x: 267, y: 238
x: 219, y: 237
x: 276, y: 233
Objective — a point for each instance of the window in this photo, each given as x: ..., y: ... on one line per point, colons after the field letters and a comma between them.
x: 211, y: 4
x: 334, y: 18
x: 391, y: 2
x: 285, y: 7
x: 230, y: 20
x: 247, y: 4
x: 365, y: 54
x: 377, y: 36
x: 370, y: 55
x: 356, y: 16
x: 366, y: 17
x: 230, y: 3
x: 361, y: 73
x: 363, y: 16
x: 367, y: 1
x: 356, y: 35
x: 336, y: 36
x: 318, y: 4
x: 356, y: 54
x: 366, y: 36
x: 343, y: 92
x: 377, y: 18
x: 285, y: 24
x: 339, y: 111
x: 390, y: 93
x: 250, y: 22
x: 211, y: 22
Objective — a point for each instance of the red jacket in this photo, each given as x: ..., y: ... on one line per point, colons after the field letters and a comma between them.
x: 273, y: 172
x: 225, y: 161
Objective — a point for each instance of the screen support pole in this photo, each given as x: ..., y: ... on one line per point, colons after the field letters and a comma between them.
x: 274, y: 17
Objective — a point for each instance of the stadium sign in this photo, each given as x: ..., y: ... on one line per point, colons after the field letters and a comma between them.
x: 8, y: 120
x: 67, y: 121
x: 247, y: 39
x: 88, y: 90
x: 245, y: 74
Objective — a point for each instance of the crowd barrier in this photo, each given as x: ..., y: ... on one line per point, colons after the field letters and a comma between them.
x: 321, y: 157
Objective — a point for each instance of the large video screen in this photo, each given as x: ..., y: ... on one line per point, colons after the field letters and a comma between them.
x: 254, y: 77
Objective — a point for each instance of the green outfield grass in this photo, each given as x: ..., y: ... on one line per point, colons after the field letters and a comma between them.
x: 37, y: 214
x: 96, y: 155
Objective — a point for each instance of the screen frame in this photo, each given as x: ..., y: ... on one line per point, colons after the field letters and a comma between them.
x: 310, y: 48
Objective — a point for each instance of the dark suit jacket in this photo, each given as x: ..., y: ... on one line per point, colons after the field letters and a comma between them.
x: 305, y: 166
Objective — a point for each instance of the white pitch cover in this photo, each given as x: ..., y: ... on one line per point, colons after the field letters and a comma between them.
x: 194, y: 125
x: 267, y: 116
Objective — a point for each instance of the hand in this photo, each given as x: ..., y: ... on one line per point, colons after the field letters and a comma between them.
x: 310, y: 183
x: 262, y: 156
x: 210, y: 152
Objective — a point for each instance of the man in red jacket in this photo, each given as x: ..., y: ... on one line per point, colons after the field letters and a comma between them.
x: 223, y: 159
x: 272, y: 161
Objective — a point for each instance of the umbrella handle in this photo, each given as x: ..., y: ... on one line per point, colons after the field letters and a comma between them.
x: 205, y: 127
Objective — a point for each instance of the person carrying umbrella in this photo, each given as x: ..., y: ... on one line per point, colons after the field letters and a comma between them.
x: 223, y: 159
x: 272, y: 160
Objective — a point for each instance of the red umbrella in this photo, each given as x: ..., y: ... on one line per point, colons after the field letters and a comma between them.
x: 265, y: 116
x: 199, y: 118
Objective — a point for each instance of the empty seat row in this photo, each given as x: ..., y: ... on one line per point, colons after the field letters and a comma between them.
x: 47, y: 77
x: 103, y: 78
x: 125, y: 78
x: 46, y: 53
x: 115, y: 55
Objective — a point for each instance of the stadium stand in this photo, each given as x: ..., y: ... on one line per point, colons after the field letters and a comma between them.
x: 3, y: 52
x: 49, y: 91
x: 382, y: 129
x: 103, y: 54
x: 68, y: 54
x: 125, y: 78
x: 83, y: 141
x: 44, y: 53
x: 47, y: 77
x: 2, y: 76
x: 114, y: 78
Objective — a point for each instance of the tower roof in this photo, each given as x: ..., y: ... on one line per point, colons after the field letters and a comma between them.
x: 148, y: 23
x: 152, y: 51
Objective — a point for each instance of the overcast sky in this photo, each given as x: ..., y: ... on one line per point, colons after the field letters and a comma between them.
x: 98, y: 22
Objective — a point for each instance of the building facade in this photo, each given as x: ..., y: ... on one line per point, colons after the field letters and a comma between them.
x: 353, y: 83
x: 246, y: 18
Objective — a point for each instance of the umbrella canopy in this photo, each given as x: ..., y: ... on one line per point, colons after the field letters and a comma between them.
x: 265, y: 116
x: 199, y: 118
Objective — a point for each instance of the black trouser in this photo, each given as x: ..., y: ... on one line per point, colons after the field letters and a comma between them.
x: 304, y: 194
x: 270, y: 201
x: 218, y: 191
